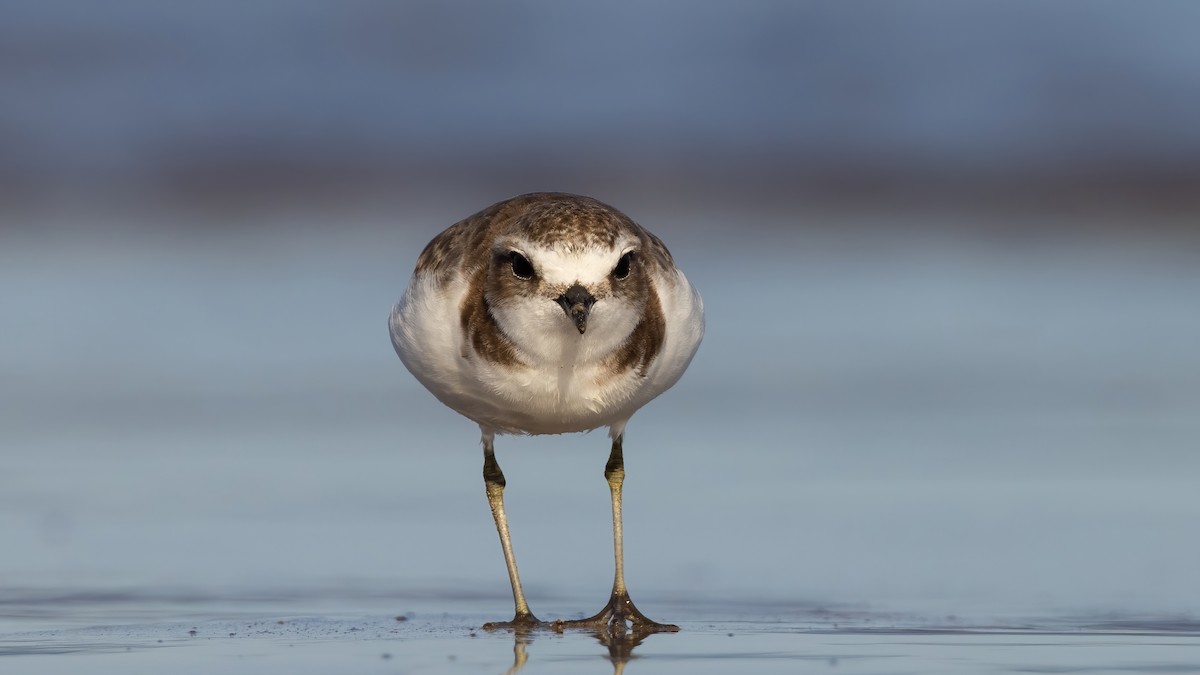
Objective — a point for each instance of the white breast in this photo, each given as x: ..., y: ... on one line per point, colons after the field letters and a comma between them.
x: 576, y: 392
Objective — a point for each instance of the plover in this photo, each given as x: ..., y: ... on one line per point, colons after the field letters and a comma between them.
x: 549, y: 313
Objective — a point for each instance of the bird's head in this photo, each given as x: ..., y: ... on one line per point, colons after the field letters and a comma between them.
x: 564, y: 278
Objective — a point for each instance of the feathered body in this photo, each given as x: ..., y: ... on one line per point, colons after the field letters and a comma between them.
x: 547, y: 313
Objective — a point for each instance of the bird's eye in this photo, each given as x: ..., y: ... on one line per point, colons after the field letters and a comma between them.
x: 621, y: 271
x: 521, y: 268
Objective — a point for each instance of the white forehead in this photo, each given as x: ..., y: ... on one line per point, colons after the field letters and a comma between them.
x: 585, y: 265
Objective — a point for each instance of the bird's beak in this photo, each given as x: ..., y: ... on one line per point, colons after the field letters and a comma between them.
x: 577, y: 303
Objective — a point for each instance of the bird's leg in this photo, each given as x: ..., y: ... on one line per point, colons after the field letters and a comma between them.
x: 620, y: 608
x: 493, y: 480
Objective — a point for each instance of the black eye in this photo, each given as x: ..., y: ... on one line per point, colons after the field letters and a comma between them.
x: 520, y: 266
x: 621, y: 271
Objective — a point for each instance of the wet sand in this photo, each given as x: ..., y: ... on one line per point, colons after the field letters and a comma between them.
x: 206, y: 636
x: 951, y: 456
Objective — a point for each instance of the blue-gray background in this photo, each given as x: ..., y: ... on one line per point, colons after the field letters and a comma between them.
x: 949, y: 252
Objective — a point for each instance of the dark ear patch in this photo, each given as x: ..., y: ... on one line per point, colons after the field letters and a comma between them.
x: 479, y: 326
x: 645, y: 342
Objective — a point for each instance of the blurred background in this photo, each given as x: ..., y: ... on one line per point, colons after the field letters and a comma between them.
x: 949, y: 252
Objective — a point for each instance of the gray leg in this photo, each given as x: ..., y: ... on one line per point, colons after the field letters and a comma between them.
x: 620, y: 608
x: 493, y: 480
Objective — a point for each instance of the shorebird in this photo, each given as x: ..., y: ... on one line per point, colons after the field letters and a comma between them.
x: 549, y: 313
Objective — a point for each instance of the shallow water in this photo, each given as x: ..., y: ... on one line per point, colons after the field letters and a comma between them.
x: 931, y: 432
x: 248, y: 636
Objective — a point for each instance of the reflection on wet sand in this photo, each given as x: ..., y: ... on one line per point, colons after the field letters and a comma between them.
x: 520, y: 656
x: 619, y: 638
